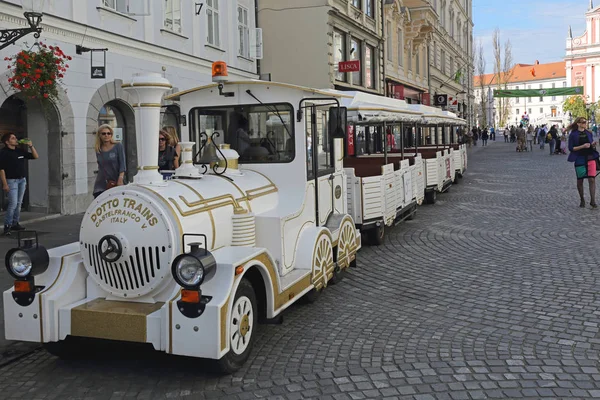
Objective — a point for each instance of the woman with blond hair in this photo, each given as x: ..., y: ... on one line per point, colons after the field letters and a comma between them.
x: 173, y: 142
x: 110, y: 156
x: 583, y: 154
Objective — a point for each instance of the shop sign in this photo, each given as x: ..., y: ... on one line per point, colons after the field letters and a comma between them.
x: 350, y: 139
x: 349, y: 66
x: 426, y: 99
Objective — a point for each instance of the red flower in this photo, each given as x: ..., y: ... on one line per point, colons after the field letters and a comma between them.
x: 10, y: 80
x: 24, y: 74
x: 52, y: 77
x: 27, y: 86
x: 41, y: 64
x: 39, y: 71
x: 27, y: 66
x: 44, y: 46
x: 25, y: 56
x: 69, y: 58
x: 45, y: 95
x: 20, y: 61
x: 60, y: 75
x: 41, y: 83
x: 8, y: 67
x: 66, y: 66
x: 51, y: 48
x: 48, y: 82
x: 37, y: 76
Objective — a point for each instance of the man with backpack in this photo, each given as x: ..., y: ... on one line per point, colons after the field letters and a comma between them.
x: 542, y: 136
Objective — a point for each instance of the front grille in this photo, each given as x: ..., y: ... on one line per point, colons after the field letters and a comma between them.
x: 129, y: 274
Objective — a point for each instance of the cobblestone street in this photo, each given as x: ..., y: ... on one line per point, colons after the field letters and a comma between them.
x: 489, y: 293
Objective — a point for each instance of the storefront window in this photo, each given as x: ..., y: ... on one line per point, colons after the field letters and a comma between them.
x: 371, y: 8
x: 356, y: 54
x: 339, y: 53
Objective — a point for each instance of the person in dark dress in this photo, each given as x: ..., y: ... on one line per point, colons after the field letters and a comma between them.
x: 583, y: 154
x: 12, y: 174
x: 166, y: 153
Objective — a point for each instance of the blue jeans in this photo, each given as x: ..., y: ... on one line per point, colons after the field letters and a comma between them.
x: 542, y: 141
x: 552, y: 144
x: 15, y: 200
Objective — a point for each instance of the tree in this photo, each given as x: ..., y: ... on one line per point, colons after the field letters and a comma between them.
x: 578, y: 107
x: 480, y: 65
x: 503, y: 72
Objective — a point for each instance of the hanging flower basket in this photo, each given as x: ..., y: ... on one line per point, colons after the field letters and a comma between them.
x: 37, y: 74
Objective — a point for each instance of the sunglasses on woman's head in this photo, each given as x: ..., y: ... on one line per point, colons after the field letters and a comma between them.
x: 162, y: 139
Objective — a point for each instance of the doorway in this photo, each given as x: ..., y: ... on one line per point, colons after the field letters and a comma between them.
x: 120, y: 117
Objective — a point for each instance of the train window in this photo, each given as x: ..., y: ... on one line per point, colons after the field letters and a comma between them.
x: 259, y: 133
x: 318, y: 141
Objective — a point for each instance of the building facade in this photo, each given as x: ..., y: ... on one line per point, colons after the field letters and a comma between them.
x: 540, y: 109
x: 451, y: 55
x: 304, y: 43
x: 583, y: 56
x: 408, y: 32
x: 177, y: 38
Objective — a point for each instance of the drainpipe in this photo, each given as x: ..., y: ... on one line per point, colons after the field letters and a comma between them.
x: 256, y: 26
x: 382, y: 46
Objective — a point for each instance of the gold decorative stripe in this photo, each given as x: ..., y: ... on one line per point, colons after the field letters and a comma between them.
x: 170, y: 209
x: 147, y: 105
x: 146, y: 84
x: 148, y: 168
x: 210, y: 214
x: 244, y: 197
x: 224, y: 310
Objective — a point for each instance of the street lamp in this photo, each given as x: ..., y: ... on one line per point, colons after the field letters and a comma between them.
x: 32, y: 10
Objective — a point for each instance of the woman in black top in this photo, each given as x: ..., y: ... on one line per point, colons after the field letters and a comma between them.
x: 166, y: 153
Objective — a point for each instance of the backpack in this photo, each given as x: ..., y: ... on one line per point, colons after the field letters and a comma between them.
x: 549, y: 137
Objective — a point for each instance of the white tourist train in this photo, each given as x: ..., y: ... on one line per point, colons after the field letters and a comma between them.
x: 262, y: 211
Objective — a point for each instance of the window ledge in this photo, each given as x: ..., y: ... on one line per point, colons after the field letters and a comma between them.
x: 245, y: 58
x: 170, y: 32
x: 110, y: 11
x: 212, y: 46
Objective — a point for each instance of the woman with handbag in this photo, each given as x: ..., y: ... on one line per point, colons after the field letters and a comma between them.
x: 110, y: 156
x: 584, y: 155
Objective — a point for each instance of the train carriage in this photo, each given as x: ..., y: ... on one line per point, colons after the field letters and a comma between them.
x: 254, y: 219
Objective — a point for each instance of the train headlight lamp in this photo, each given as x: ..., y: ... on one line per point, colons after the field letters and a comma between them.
x: 28, y: 259
x: 191, y: 269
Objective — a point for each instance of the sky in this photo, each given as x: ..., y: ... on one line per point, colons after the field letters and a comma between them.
x: 537, y: 29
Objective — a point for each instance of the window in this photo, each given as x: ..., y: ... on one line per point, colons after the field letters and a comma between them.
x: 518, y: 111
x: 443, y: 61
x: 212, y: 15
x: 356, y: 54
x: 318, y: 141
x: 173, y: 15
x: 564, y: 85
x: 117, y: 5
x: 400, y: 48
x: 554, y: 87
x: 357, y: 4
x: 530, y: 111
x: 541, y: 110
x: 243, y: 32
x: 529, y: 87
x: 339, y: 54
x: 418, y: 61
x: 434, y: 58
x: 261, y: 134
x: 541, y: 97
x: 517, y: 101
x: 371, y: 8
x: 443, y: 14
x: 370, y: 66
x: 389, y: 47
x: 452, y: 24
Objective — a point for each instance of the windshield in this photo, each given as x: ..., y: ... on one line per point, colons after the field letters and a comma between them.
x: 259, y: 133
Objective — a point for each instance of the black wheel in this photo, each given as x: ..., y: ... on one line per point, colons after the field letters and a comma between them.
x: 377, y: 234
x: 312, y: 296
x: 430, y: 197
x: 456, y: 177
x: 338, y: 275
x: 242, y: 323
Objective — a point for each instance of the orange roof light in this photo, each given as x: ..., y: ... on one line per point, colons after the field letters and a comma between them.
x: 219, y: 71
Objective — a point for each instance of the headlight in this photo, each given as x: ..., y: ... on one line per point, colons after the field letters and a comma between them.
x: 188, y: 271
x: 29, y: 259
x: 19, y: 264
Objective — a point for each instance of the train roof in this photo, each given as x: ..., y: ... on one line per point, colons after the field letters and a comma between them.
x: 313, y: 92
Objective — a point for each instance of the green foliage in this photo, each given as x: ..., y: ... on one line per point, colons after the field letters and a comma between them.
x: 578, y: 107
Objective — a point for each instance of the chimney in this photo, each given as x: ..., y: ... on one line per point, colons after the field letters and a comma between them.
x: 147, y: 90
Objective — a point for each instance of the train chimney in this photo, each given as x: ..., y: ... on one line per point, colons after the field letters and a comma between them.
x: 147, y: 90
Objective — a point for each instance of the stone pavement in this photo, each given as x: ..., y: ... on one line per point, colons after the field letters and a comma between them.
x: 490, y: 293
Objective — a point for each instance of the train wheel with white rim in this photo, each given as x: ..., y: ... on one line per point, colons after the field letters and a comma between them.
x: 242, y: 325
x: 344, y: 250
x: 322, y: 266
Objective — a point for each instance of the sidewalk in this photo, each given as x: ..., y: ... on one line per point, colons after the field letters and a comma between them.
x: 28, y: 217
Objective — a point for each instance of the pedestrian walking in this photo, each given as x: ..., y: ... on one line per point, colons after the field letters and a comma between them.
x: 551, y: 138
x: 529, y: 138
x: 542, y: 137
x: 484, y: 137
x: 583, y: 153
x: 12, y: 174
x: 492, y: 134
x: 563, y: 143
x: 520, y: 132
x: 110, y: 156
x: 506, y: 133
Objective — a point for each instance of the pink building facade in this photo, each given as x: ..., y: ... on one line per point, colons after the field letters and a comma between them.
x: 583, y: 56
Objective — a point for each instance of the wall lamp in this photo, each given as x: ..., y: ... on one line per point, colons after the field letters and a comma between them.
x: 33, y: 14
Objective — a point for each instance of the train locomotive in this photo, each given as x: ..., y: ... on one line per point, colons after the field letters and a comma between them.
x: 255, y: 218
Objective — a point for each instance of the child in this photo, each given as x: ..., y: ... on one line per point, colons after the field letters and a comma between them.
x: 563, y: 143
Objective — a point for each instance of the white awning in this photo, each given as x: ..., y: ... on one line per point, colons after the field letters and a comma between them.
x: 366, y: 108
